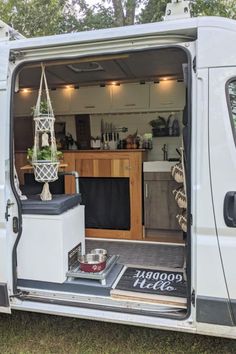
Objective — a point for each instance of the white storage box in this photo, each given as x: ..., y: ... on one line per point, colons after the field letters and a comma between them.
x: 46, y: 240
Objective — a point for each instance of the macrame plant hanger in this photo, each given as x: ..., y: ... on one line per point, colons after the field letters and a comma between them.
x: 45, y: 171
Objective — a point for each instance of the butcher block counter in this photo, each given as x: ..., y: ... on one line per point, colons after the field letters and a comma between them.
x: 123, y: 164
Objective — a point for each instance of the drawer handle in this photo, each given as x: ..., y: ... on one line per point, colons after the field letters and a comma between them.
x: 146, y: 190
x: 130, y: 105
x: 89, y: 106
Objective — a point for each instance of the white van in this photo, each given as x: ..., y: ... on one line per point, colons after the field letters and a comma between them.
x: 182, y: 70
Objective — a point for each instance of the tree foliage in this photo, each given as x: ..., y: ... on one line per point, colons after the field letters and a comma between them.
x: 46, y: 17
x: 155, y: 9
x: 38, y: 17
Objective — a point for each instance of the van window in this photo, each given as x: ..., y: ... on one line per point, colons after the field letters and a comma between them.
x: 231, y: 92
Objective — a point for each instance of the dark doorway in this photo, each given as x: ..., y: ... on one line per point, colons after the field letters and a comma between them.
x: 83, y: 132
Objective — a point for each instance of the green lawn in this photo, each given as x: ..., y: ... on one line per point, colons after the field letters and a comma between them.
x: 35, y: 333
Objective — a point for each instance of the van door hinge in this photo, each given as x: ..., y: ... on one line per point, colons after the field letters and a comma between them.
x: 15, y: 55
x: 9, y: 204
x: 195, y: 65
x: 193, y: 297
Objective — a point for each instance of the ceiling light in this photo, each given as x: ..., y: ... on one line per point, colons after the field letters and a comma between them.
x: 85, y: 67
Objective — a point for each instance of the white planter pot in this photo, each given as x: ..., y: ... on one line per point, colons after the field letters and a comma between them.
x: 45, y: 171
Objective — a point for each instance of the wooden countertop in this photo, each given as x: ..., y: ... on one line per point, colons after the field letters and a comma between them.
x: 103, y: 150
x: 95, y: 150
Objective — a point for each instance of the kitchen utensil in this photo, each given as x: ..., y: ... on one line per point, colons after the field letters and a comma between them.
x: 92, y: 263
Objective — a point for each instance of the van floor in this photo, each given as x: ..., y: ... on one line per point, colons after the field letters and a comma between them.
x: 160, y: 257
x: 142, y: 254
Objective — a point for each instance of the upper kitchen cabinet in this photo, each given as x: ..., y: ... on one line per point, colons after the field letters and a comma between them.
x: 60, y: 100
x: 167, y: 95
x: 128, y: 97
x: 24, y: 103
x: 92, y: 99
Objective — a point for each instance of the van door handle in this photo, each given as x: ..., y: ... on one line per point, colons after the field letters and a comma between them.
x: 230, y: 209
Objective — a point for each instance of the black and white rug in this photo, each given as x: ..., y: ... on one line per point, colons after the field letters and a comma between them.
x: 152, y: 283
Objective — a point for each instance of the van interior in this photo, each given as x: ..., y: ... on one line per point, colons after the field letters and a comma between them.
x: 122, y: 124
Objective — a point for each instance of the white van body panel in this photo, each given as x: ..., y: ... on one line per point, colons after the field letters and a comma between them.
x: 223, y: 167
x: 215, y: 40
x: 208, y: 268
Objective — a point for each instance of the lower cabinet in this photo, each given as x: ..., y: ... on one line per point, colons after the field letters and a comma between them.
x: 160, y: 208
x: 121, y: 171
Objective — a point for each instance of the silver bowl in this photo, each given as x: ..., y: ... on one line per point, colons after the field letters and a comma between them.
x: 100, y: 251
x: 90, y: 258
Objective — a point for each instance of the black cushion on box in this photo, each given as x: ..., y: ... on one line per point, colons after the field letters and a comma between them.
x: 58, y: 205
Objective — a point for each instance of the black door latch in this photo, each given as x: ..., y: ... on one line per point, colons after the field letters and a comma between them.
x: 9, y: 204
x: 230, y: 209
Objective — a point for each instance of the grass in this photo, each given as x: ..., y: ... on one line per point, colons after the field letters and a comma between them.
x: 26, y: 333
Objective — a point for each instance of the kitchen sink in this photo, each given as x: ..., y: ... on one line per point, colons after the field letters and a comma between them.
x: 158, y: 166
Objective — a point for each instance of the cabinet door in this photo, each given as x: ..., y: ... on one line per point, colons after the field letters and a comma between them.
x: 130, y: 97
x: 159, y: 205
x: 167, y: 95
x: 91, y: 99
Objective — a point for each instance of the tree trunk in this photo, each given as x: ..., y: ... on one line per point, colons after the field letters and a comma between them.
x: 119, y: 13
x: 130, y: 12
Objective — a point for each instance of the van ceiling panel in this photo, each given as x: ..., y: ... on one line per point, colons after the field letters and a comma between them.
x: 145, y: 65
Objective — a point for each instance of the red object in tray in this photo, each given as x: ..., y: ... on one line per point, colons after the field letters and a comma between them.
x: 92, y: 263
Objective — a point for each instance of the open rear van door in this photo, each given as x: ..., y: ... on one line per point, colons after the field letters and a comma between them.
x: 5, y: 242
x: 222, y: 150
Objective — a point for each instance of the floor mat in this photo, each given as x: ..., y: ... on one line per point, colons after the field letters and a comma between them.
x: 147, y: 255
x: 152, y: 285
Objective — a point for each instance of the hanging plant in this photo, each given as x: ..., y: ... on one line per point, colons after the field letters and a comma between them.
x: 43, y: 108
x: 44, y: 154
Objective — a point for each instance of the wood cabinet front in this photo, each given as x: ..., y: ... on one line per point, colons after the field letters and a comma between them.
x: 111, y: 164
x: 104, y: 167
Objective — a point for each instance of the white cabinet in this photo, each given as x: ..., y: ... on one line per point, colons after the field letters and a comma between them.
x: 127, y: 97
x: 163, y: 96
x: 167, y: 95
x: 92, y: 99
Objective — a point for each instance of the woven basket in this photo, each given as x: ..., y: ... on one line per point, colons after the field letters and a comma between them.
x: 177, y: 173
x: 182, y: 220
x: 180, y: 198
x: 45, y: 171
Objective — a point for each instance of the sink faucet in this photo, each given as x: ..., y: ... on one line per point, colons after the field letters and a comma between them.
x: 165, y: 152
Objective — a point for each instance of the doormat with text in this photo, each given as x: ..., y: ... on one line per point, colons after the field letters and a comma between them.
x: 152, y: 284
